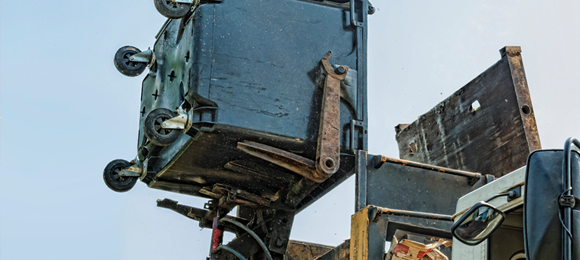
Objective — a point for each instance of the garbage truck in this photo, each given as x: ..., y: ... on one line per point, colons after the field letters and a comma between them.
x: 262, y: 106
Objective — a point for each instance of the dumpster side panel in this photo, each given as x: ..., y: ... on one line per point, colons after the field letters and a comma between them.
x: 265, y: 61
x: 488, y: 126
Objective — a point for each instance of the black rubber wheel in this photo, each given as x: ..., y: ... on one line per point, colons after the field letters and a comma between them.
x: 172, y: 9
x: 126, y: 66
x: 112, y: 178
x: 153, y: 130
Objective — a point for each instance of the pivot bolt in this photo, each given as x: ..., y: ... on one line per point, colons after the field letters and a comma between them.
x: 340, y: 70
x: 279, y: 242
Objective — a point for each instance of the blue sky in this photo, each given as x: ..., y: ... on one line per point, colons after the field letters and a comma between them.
x: 66, y: 112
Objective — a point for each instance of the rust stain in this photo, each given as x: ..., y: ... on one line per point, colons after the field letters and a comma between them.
x: 328, y: 150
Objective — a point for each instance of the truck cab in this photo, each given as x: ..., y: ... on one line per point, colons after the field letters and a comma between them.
x: 507, y: 241
x: 530, y: 213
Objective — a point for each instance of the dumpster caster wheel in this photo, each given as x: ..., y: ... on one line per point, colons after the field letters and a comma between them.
x: 153, y: 130
x: 172, y: 9
x: 125, y: 65
x: 112, y: 178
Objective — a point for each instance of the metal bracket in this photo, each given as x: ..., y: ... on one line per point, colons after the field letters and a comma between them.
x: 328, y: 150
x: 132, y: 171
x: 516, y: 192
x: 137, y: 169
x: 288, y: 160
x: 185, y: 118
x: 203, y: 216
x: 180, y: 122
x: 488, y: 178
x: 353, y: 125
x: 184, y: 1
x: 567, y: 201
x: 239, y: 196
x: 147, y: 56
x: 353, y: 16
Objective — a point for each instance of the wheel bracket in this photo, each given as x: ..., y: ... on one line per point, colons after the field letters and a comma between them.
x: 147, y: 56
x: 184, y: 1
x: 130, y: 172
x: 181, y: 122
x: 138, y: 169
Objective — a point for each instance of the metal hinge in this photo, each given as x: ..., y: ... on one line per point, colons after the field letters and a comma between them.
x: 353, y: 125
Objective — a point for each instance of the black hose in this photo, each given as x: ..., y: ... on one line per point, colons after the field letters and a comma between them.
x: 231, y: 250
x: 252, y: 233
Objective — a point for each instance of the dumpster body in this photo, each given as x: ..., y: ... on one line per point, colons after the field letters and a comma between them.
x: 250, y: 71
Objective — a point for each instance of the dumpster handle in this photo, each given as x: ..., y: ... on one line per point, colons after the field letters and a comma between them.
x: 353, y: 16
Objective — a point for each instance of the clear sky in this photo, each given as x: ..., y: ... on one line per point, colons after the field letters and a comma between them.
x: 66, y: 112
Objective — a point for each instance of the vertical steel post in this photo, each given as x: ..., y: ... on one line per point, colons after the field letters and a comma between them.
x: 567, y: 186
x: 361, y: 180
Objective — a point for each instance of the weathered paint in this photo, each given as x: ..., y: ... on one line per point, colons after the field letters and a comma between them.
x: 340, y: 252
x: 298, y: 250
x: 473, y: 177
x: 328, y: 150
x: 359, y: 235
x: 408, y: 213
x: 217, y: 234
x: 487, y: 126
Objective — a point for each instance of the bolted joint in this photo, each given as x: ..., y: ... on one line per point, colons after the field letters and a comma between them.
x: 339, y: 70
x: 280, y: 242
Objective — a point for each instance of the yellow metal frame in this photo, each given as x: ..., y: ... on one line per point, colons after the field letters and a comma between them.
x: 359, y: 235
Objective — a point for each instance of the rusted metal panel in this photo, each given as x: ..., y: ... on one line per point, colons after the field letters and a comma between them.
x: 513, y: 54
x: 400, y: 186
x: 298, y: 250
x: 488, y: 126
x: 409, y: 196
x: 473, y: 177
x: 340, y: 252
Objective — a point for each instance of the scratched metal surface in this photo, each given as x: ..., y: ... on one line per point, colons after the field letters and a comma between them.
x: 487, y: 126
x: 402, y: 187
x: 254, y: 64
